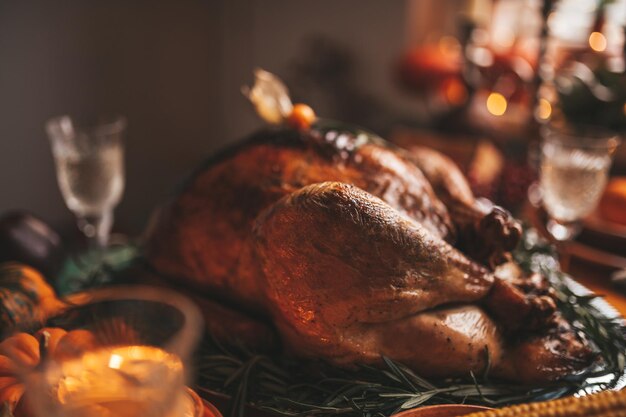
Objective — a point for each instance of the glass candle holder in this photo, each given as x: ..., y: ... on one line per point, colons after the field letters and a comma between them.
x: 126, y: 353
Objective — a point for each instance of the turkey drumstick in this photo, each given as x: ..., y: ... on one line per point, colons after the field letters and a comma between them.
x: 486, y: 232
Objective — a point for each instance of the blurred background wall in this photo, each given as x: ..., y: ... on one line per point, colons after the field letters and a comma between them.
x: 174, y: 68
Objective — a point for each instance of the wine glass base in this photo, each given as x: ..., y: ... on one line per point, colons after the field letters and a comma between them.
x: 562, y: 231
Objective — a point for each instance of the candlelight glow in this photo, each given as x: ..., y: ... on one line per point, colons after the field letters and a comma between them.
x: 115, y: 362
x: 597, y: 41
x: 544, y: 109
x: 496, y: 104
x: 122, y: 381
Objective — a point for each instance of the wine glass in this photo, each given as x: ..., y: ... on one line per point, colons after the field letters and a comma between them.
x: 575, y: 164
x: 127, y: 353
x: 89, y: 159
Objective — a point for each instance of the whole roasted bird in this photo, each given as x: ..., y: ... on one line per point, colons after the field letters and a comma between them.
x: 356, y: 250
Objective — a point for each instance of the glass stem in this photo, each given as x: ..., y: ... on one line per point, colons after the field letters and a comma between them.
x: 103, y: 229
x: 97, y: 228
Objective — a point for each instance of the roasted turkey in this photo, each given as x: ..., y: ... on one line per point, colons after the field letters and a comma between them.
x: 356, y: 250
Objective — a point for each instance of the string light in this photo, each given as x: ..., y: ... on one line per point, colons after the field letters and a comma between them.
x: 496, y: 104
x: 597, y: 41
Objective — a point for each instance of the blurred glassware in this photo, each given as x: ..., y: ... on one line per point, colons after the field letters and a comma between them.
x: 89, y: 159
x: 433, y: 74
x: 129, y: 355
x: 583, y: 72
x: 574, y: 171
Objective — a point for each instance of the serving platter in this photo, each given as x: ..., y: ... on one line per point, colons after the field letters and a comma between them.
x: 445, y: 410
x: 610, y: 313
x: 596, y: 223
x: 595, y: 256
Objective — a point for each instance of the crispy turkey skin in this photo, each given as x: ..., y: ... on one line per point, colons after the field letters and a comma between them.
x: 357, y: 250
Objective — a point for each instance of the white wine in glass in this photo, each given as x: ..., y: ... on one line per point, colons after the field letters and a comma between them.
x: 89, y: 161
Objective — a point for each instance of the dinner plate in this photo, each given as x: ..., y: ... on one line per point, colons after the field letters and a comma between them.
x: 200, y: 407
x: 445, y: 410
x: 595, y: 256
x: 601, y: 240
x: 597, y: 224
x: 598, y: 243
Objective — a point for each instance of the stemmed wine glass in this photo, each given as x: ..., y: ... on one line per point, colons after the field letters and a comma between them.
x: 89, y: 159
x: 575, y: 164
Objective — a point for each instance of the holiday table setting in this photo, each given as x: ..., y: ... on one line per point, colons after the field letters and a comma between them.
x: 259, y: 323
x: 472, y: 262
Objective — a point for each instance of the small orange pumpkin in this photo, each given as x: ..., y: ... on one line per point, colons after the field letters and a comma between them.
x: 301, y: 117
x: 21, y: 353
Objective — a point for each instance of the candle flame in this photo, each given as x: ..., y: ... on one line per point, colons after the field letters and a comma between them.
x: 597, y: 41
x: 496, y: 104
x: 115, y: 362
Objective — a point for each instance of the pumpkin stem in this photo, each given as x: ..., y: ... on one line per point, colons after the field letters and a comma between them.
x: 44, y: 342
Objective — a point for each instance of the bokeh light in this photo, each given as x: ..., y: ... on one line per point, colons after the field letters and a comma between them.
x: 544, y: 109
x: 496, y: 104
x: 597, y: 41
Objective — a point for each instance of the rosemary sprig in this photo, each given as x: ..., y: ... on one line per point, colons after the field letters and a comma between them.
x: 282, y: 385
x: 607, y: 334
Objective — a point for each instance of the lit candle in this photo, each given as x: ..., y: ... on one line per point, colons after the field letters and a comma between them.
x: 120, y: 381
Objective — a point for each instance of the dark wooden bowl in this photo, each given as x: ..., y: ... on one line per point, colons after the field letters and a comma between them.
x: 451, y: 410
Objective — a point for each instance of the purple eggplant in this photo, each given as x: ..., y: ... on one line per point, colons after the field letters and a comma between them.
x: 27, y: 239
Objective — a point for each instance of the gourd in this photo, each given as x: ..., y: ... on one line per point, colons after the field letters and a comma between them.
x: 26, y: 299
x: 22, y: 353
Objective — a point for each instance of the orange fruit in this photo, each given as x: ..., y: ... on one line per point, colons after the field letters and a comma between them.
x: 301, y: 117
